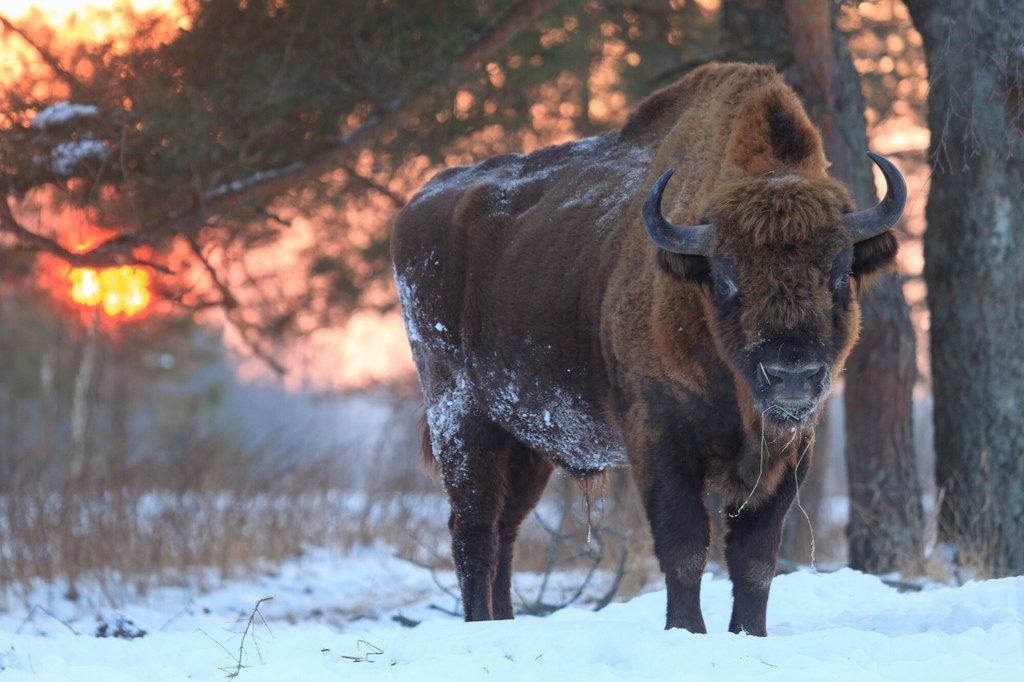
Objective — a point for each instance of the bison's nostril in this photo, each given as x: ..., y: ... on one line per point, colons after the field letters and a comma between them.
x: 794, y: 380
x: 771, y: 377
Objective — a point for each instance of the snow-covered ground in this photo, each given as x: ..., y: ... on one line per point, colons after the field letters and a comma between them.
x: 336, y: 616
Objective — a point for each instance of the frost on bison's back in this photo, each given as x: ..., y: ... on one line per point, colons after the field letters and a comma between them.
x: 491, y: 306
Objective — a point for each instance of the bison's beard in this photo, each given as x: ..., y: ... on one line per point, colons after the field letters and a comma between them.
x: 789, y: 415
x: 790, y: 412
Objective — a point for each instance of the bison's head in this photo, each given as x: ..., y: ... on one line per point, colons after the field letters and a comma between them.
x: 779, y: 261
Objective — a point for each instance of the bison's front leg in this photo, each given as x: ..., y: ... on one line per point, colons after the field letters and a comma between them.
x: 752, y: 551
x: 679, y: 524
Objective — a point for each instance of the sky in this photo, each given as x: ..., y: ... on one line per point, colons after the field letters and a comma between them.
x: 60, y: 9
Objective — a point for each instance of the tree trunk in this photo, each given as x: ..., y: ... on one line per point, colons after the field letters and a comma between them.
x: 974, y: 268
x: 886, y: 524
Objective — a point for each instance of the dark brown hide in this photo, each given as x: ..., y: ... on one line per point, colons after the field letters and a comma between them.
x: 547, y: 329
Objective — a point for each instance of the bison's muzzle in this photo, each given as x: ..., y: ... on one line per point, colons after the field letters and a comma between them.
x: 790, y: 391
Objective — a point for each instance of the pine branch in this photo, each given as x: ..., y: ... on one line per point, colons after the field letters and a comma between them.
x: 269, y: 183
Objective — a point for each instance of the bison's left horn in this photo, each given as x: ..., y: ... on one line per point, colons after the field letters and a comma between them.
x: 692, y: 240
x: 874, y: 221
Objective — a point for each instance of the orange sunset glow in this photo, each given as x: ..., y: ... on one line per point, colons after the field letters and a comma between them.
x: 57, y: 12
x: 120, y: 291
x: 117, y: 292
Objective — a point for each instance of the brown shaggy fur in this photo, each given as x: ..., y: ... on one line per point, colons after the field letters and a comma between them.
x: 548, y: 330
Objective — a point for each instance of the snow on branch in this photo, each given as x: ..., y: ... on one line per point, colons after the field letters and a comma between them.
x: 65, y: 157
x: 255, y: 179
x: 60, y: 113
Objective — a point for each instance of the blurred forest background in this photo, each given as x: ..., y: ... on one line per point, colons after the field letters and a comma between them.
x: 203, y: 364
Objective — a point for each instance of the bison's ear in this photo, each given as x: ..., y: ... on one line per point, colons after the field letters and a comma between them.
x: 695, y: 268
x: 872, y: 255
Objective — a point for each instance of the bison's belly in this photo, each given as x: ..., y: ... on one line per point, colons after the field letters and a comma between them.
x: 557, y: 420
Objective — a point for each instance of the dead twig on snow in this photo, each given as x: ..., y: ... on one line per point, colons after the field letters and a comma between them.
x: 249, y: 631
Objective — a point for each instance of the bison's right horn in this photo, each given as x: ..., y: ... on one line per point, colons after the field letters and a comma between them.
x: 872, y: 222
x: 691, y: 240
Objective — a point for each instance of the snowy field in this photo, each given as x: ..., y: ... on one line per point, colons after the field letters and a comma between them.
x: 337, y: 616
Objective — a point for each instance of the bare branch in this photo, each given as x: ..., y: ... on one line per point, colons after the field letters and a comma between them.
x: 229, y: 304
x: 228, y: 300
x: 250, y: 632
x: 368, y: 183
x: 503, y: 32
x: 114, y: 252
x: 48, y: 57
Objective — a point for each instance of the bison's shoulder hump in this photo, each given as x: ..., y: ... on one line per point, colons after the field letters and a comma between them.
x: 450, y: 183
x: 506, y: 187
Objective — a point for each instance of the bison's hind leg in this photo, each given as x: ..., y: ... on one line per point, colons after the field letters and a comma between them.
x: 493, y: 482
x: 528, y: 475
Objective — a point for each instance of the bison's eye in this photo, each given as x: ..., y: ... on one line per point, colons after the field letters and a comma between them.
x: 726, y: 287
x: 843, y: 281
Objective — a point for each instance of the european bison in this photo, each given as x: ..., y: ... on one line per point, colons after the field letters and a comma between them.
x: 558, y: 318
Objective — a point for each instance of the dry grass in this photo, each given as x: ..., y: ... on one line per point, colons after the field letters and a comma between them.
x: 128, y: 539
x: 129, y: 523
x: 137, y: 522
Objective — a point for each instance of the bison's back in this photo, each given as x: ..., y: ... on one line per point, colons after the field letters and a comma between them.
x: 501, y: 269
